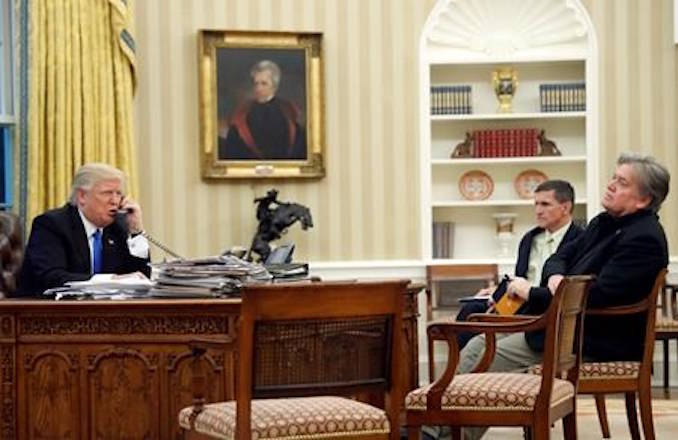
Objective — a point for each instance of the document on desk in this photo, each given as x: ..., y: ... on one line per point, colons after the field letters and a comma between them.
x: 129, y: 281
x: 104, y: 286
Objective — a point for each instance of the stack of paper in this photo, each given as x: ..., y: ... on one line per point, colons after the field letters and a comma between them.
x: 206, y: 277
x: 105, y: 286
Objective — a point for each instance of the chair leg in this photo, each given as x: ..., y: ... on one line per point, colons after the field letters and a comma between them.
x: 602, y: 414
x: 645, y: 400
x: 570, y: 426
x: 632, y: 415
x: 413, y: 433
x: 665, y: 346
x: 541, y: 431
x: 527, y: 432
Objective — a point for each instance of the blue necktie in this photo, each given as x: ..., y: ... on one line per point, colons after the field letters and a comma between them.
x: 97, y: 252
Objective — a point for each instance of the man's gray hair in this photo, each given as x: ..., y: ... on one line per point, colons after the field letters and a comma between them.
x: 653, y: 178
x: 267, y: 66
x: 92, y: 173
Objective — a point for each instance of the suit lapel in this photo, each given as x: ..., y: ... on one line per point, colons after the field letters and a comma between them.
x: 79, y: 236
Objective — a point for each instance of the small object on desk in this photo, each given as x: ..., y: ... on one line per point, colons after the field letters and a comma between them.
x: 287, y: 270
x: 476, y: 185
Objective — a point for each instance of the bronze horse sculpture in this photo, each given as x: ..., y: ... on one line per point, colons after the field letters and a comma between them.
x: 273, y: 222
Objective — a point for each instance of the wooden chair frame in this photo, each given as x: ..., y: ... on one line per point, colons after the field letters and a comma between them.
x: 562, y: 323
x: 664, y: 332
x: 639, y: 385
x: 296, y: 301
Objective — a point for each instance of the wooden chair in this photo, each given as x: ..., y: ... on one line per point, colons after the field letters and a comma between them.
x: 508, y: 399
x: 328, y: 339
x: 480, y: 275
x: 630, y: 378
x: 667, y: 323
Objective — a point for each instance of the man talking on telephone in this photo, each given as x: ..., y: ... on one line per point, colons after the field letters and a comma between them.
x: 97, y: 231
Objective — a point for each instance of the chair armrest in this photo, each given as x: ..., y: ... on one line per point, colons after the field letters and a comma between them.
x: 638, y: 307
x: 447, y: 329
x: 491, y: 317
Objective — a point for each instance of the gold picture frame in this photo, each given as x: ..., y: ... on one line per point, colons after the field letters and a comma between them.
x: 261, y: 104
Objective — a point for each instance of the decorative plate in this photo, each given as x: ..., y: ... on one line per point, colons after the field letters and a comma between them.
x: 476, y: 185
x: 527, y: 181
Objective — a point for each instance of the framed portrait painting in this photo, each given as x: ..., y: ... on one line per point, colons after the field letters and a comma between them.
x: 261, y: 104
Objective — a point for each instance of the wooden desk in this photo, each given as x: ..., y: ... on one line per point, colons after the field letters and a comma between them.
x: 119, y: 369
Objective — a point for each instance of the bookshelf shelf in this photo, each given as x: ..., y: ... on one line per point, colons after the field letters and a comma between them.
x: 508, y: 160
x: 561, y: 62
x: 507, y: 116
x: 489, y: 203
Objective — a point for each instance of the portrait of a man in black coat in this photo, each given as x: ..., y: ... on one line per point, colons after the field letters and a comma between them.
x: 264, y: 126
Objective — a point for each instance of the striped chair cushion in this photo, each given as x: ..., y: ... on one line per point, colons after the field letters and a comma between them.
x: 490, y: 391
x: 294, y: 418
x: 602, y: 370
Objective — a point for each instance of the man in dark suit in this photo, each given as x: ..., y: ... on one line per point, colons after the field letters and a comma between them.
x: 82, y: 238
x: 553, y: 203
x: 625, y: 247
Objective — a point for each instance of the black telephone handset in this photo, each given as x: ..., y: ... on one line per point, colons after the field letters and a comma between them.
x: 121, y: 221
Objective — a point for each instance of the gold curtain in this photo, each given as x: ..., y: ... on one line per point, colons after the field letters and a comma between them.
x: 81, y: 87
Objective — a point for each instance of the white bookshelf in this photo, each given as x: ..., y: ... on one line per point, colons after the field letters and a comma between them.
x: 546, y: 42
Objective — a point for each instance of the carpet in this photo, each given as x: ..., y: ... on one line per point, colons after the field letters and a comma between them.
x: 664, y: 414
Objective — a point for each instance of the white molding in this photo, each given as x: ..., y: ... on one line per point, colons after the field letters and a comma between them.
x: 414, y: 270
x: 493, y: 31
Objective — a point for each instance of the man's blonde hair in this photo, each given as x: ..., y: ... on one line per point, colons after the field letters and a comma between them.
x: 92, y: 173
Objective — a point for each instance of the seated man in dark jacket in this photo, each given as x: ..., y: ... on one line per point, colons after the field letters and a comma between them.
x: 625, y: 247
x: 80, y: 239
x: 553, y: 205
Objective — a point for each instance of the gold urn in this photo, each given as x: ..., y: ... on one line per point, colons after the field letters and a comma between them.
x: 505, y: 83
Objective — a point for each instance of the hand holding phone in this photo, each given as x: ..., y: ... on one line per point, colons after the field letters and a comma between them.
x: 132, y: 210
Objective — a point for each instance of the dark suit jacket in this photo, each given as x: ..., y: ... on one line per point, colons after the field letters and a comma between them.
x: 521, y: 271
x: 58, y: 251
x: 625, y: 254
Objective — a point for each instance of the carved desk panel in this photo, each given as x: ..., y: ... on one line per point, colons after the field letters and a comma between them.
x: 119, y: 369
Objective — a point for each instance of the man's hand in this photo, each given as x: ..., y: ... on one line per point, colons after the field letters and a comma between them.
x: 134, y: 220
x: 519, y: 287
x: 485, y: 292
x: 554, y: 282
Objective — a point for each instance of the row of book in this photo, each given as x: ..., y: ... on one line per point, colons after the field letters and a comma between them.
x: 443, y: 239
x: 565, y: 97
x: 451, y: 100
x: 514, y: 142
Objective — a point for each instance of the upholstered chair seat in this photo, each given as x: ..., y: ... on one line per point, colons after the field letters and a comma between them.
x: 491, y: 391
x: 292, y: 418
x: 603, y: 370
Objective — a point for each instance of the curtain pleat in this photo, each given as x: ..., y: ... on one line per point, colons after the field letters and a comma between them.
x: 81, y: 89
